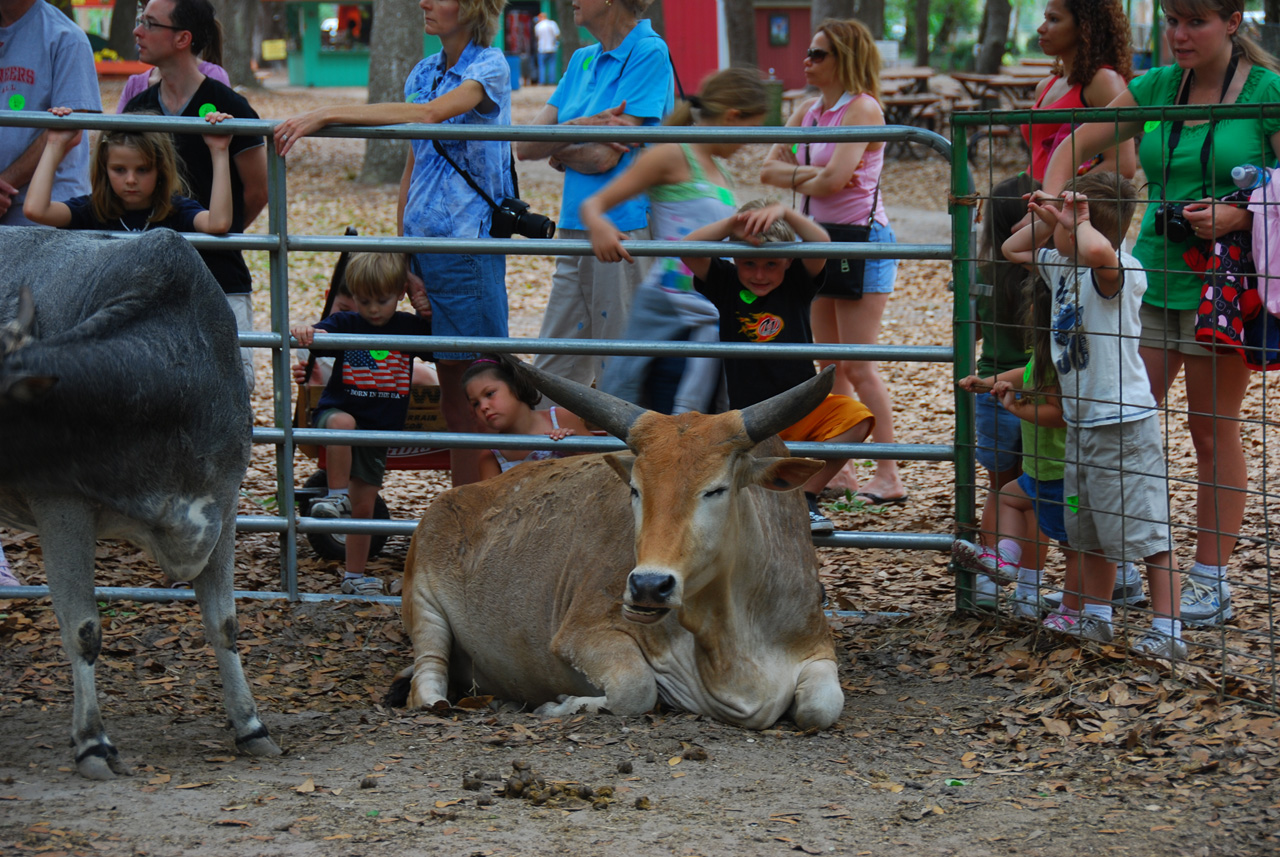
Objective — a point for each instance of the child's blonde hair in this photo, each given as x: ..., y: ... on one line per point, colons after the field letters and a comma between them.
x: 376, y: 275
x: 729, y: 89
x: 780, y: 231
x: 1112, y: 200
x: 156, y: 149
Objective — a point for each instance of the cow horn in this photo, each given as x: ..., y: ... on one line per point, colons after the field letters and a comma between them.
x: 767, y: 418
x: 609, y: 412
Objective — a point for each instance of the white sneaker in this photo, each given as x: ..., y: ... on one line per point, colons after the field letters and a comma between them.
x: 333, y: 506
x: 986, y: 593
x: 1032, y: 607
x: 1206, y: 602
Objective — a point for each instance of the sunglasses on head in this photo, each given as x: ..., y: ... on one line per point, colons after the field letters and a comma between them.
x: 817, y: 54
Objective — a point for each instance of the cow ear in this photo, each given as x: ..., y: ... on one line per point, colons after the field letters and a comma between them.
x: 621, y: 462
x: 783, y: 474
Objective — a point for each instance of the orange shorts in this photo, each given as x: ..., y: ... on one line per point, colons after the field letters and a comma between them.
x: 832, y: 418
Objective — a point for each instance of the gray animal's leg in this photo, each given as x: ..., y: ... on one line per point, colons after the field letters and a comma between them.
x: 819, y: 699
x: 67, y: 529
x: 215, y: 591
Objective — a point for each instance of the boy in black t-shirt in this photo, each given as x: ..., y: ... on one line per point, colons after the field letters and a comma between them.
x: 369, y: 390
x: 767, y: 300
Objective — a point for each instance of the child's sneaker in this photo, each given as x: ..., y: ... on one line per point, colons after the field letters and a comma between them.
x: 819, y: 524
x: 1160, y: 647
x: 1080, y: 625
x: 1205, y: 602
x: 1028, y: 608
x: 362, y: 586
x: 986, y: 593
x: 333, y: 506
x: 7, y: 577
x: 981, y: 559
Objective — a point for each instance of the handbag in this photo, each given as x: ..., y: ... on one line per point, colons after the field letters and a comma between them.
x: 844, y: 274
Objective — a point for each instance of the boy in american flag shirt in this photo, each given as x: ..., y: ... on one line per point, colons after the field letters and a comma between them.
x: 368, y: 390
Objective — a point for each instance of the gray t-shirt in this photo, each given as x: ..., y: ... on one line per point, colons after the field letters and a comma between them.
x: 46, y: 61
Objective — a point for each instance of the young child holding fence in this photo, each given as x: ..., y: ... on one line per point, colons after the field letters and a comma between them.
x: 768, y: 300
x: 369, y: 390
x: 1115, y: 487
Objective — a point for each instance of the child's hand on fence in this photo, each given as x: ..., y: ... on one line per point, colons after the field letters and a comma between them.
x: 217, y: 142
x: 304, y: 333
x: 749, y: 225
x: 418, y: 296
x: 606, y: 243
x: 559, y: 433
x: 300, y: 372
x: 973, y: 384
x: 65, y: 139
x: 1045, y: 207
x: 1075, y: 210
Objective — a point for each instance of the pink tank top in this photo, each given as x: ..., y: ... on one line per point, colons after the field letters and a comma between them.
x: 852, y: 204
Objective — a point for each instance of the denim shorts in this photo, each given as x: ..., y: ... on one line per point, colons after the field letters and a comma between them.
x: 468, y: 296
x: 999, y: 435
x: 1047, y: 498
x: 880, y: 274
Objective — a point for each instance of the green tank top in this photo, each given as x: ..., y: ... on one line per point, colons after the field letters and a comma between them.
x: 1044, y: 450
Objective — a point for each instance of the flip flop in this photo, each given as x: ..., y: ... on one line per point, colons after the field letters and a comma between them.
x: 877, y: 500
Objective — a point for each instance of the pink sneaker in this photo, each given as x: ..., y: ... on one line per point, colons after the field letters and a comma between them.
x: 981, y: 559
x: 7, y: 577
x: 1061, y: 621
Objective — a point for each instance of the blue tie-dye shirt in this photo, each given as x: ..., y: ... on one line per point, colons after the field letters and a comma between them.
x: 440, y: 204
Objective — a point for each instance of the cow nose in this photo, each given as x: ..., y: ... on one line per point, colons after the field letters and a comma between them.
x: 651, y: 587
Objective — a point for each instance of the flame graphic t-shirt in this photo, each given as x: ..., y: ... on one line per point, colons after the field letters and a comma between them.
x: 780, y: 316
x: 371, y: 385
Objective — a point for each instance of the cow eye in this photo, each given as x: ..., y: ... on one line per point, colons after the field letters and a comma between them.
x: 635, y: 495
x: 715, y: 492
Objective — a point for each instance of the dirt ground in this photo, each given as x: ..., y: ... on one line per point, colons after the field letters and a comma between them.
x: 960, y: 735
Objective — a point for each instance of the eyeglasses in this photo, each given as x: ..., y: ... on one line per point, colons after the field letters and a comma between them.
x: 817, y: 55
x: 148, y: 24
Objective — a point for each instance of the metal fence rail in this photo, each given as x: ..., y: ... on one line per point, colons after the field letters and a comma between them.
x: 279, y: 242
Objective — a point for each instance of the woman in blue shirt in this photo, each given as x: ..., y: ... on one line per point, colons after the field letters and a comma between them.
x: 626, y: 79
x: 466, y: 83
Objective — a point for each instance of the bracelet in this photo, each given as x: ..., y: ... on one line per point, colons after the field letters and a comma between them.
x: 793, y: 176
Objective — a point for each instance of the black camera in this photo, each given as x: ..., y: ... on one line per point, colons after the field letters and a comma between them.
x: 513, y: 217
x: 1172, y: 223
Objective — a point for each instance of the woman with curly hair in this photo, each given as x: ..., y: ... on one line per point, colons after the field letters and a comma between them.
x: 1089, y: 42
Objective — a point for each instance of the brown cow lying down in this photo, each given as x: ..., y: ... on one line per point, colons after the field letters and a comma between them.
x: 682, y: 572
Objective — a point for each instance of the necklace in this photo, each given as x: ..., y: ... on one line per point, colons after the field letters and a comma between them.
x: 146, y: 224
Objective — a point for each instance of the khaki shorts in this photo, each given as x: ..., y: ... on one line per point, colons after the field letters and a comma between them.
x: 832, y: 418
x: 1170, y: 330
x: 1116, y: 490
x: 368, y: 463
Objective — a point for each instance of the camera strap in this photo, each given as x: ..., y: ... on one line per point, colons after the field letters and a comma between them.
x: 515, y: 184
x: 1175, y: 132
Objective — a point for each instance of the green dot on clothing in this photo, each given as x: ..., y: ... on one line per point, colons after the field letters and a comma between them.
x: 17, y: 101
x: 1151, y: 126
x: 586, y: 64
x: 1073, y: 503
x: 747, y: 296
x: 379, y: 355
x: 206, y: 109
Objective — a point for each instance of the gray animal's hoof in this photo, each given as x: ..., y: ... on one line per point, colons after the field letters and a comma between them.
x: 258, y: 745
x: 101, y: 762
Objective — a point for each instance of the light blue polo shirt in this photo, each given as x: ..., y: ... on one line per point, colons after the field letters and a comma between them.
x: 637, y: 71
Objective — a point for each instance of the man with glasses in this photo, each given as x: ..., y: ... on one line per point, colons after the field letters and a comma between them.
x: 172, y: 35
x: 45, y: 61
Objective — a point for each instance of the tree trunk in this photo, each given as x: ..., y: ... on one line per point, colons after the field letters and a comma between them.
x: 395, y: 46
x: 824, y: 9
x: 120, y: 39
x: 921, y: 27
x: 740, y: 29
x: 871, y: 13
x: 569, y: 38
x: 996, y: 36
x: 239, y: 19
x: 658, y: 18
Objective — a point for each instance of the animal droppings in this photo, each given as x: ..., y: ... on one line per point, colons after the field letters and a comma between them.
x: 625, y: 767
x: 472, y: 784
x: 643, y: 803
x: 368, y: 783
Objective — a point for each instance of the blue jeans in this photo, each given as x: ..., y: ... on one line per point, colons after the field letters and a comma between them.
x: 547, y: 69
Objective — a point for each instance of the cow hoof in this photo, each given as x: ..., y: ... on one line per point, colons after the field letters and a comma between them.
x: 566, y: 705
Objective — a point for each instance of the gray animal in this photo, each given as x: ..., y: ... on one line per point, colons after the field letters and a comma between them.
x: 123, y: 414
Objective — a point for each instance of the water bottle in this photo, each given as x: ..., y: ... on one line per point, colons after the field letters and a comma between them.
x: 1248, y: 177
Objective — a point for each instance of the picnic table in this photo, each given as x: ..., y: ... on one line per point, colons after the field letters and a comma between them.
x: 918, y: 109
x: 906, y: 80
x: 1008, y: 91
